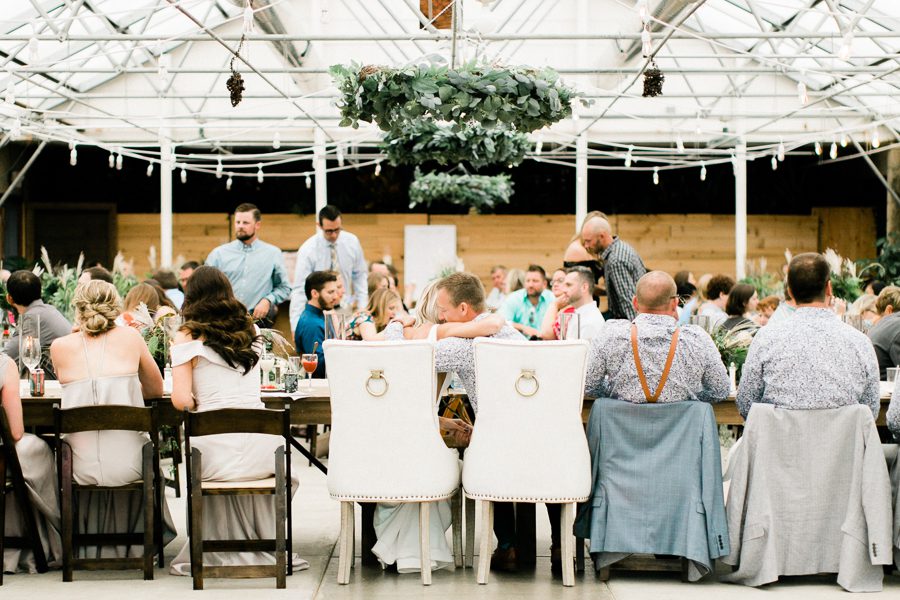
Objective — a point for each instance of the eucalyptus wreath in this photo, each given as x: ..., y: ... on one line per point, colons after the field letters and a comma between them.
x: 523, y: 98
x: 424, y: 141
x: 477, y: 191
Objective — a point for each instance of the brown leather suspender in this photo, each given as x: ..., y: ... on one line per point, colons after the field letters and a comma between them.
x: 640, y: 370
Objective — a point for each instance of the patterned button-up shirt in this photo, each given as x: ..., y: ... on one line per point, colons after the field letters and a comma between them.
x: 697, y: 371
x: 809, y: 361
x: 255, y: 271
x: 622, y: 268
x: 456, y: 354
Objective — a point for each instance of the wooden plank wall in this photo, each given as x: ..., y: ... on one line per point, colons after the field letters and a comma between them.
x: 700, y: 243
x: 850, y: 231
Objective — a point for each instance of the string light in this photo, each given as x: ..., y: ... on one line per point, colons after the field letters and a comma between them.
x: 339, y: 150
x: 539, y: 145
x: 308, y: 181
x: 702, y: 171
x: 228, y: 183
x: 876, y: 141
x: 655, y: 175
x: 780, y: 151
x: 802, y: 93
x: 259, y: 173
x: 119, y: 161
x: 377, y: 169
x: 112, y: 160
x: 818, y: 149
x: 276, y: 141
x: 833, y: 151
x: 846, y: 46
x: 183, y: 174
x: 149, y: 169
x: 679, y: 144
x: 844, y: 140
x: 774, y: 163
x: 73, y: 154
x: 218, y: 168
x: 628, y: 157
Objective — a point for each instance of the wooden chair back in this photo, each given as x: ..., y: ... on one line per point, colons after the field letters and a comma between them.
x: 104, y: 418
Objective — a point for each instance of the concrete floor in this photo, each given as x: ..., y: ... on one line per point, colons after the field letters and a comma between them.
x: 316, y: 525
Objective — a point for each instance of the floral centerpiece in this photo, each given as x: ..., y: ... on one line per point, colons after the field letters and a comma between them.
x: 845, y: 283
x: 733, y: 345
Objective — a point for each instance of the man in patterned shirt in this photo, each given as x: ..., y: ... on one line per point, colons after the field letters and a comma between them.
x: 696, y: 373
x: 811, y: 360
x: 622, y: 266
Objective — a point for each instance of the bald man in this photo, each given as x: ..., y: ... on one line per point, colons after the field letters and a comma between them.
x: 622, y: 266
x: 696, y: 371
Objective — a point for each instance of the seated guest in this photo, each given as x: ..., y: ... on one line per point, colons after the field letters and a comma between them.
x: 696, y: 371
x: 717, y: 291
x: 864, y: 308
x: 575, y: 294
x: 885, y: 334
x: 384, y: 305
x: 133, y: 314
x: 378, y: 281
x: 525, y: 308
x: 168, y: 282
x: 96, y: 273
x: 811, y: 360
x: 23, y: 292
x: 741, y: 305
x: 498, y: 290
x: 184, y: 273
x: 874, y: 288
x: 688, y: 296
x: 765, y: 309
x: 39, y: 471
x: 102, y: 364
x: 321, y: 295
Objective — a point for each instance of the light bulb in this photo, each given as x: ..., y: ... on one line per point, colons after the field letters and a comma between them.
x: 308, y: 181
x: 339, y: 150
x: 875, y: 139
x: 628, y: 157
x: 679, y: 145
x: 259, y: 173
x: 780, y: 150
x: 818, y: 149
x: 149, y: 169
x: 377, y: 169
x: 112, y: 160
x: 774, y: 163
x: 276, y: 141
x: 832, y: 152
x: 33, y: 48
x: 539, y: 145
x: 846, y: 46
x: 248, y: 19
x: 183, y: 174
x: 802, y: 94
x: 73, y: 156
x: 844, y: 140
x: 119, y: 161
x: 655, y: 175
x: 702, y: 171
x: 218, y: 168
x: 228, y: 182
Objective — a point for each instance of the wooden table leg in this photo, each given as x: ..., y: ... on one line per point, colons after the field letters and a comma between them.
x: 367, y: 534
x: 526, y: 550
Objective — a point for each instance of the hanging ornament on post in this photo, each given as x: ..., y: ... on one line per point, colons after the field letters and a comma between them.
x: 653, y: 81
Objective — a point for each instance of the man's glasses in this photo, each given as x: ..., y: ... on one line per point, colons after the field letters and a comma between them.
x: 332, y: 231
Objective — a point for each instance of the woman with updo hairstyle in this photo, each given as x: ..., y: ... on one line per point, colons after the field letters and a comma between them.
x: 103, y: 364
x: 215, y: 365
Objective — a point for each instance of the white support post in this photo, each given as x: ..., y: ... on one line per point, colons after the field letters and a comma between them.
x: 740, y: 209
x: 165, y: 202
x: 320, y: 166
x: 581, y: 179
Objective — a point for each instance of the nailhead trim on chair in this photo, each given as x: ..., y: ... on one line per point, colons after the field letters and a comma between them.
x: 494, y: 498
x: 358, y: 498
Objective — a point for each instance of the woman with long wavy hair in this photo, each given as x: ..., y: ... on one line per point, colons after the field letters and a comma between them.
x: 215, y: 364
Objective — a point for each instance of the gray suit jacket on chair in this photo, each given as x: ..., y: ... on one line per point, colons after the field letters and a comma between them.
x: 657, y: 484
x: 809, y: 494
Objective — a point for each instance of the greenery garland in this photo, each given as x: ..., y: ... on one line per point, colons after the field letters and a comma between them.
x: 425, y: 141
x: 477, y: 191
x: 523, y: 98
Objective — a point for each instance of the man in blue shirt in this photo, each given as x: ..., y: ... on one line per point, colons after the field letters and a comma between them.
x: 525, y: 308
x: 321, y: 295
x: 254, y: 268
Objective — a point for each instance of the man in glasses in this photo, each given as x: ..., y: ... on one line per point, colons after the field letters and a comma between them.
x: 330, y: 249
x: 525, y: 308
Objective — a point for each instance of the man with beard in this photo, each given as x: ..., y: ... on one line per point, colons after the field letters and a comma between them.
x: 254, y: 268
x: 321, y: 294
x: 525, y: 308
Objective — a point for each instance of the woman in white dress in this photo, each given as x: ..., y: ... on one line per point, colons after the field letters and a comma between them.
x: 39, y: 471
x: 397, y: 525
x: 215, y: 365
x: 103, y: 364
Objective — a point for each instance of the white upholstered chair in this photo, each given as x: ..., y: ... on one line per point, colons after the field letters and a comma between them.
x: 385, y: 440
x: 528, y: 444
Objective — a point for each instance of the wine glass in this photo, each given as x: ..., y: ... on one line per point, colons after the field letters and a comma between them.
x: 266, y: 363
x: 31, y: 352
x: 309, y: 362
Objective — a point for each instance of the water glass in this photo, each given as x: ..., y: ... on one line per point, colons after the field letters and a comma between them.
x: 892, y: 374
x: 569, y: 326
x: 335, y: 323
x: 30, y: 351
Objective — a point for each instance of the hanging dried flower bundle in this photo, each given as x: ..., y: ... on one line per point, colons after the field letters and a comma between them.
x: 235, y: 83
x: 653, y: 81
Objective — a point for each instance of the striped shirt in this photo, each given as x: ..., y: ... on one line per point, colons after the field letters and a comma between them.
x: 623, y: 267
